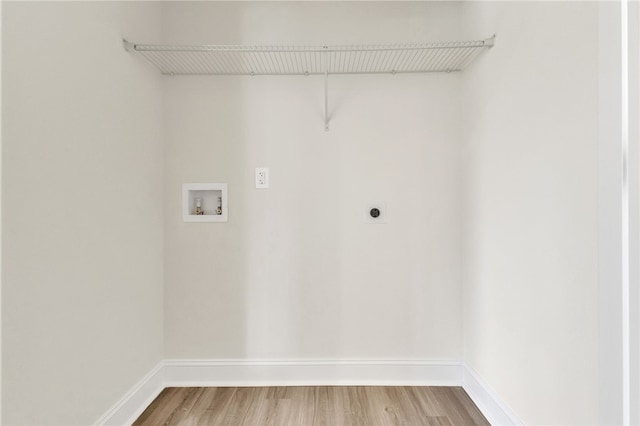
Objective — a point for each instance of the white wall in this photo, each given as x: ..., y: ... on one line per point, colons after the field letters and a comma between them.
x: 1, y: 6
x: 611, y: 266
x: 634, y: 209
x: 82, y: 209
x: 296, y: 273
x: 531, y: 225
x: 508, y: 149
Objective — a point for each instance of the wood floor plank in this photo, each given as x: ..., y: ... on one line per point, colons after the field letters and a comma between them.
x: 313, y: 406
x: 455, y: 410
x: 469, y: 407
x: 406, y: 406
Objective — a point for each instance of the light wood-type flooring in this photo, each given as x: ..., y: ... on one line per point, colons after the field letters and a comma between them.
x: 313, y: 405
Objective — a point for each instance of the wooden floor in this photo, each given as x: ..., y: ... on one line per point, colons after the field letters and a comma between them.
x: 313, y: 405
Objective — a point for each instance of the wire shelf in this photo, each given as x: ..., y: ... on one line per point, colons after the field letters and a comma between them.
x: 310, y: 60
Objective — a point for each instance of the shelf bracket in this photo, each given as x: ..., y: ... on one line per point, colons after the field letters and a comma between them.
x: 489, y: 42
x: 128, y: 46
x: 326, y: 101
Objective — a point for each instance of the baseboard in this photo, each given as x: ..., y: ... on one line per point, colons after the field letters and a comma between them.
x: 130, y: 406
x: 238, y: 372
x: 493, y: 408
x: 312, y: 372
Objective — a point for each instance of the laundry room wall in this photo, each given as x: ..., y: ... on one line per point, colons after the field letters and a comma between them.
x: 296, y: 273
x: 531, y: 208
x: 82, y: 202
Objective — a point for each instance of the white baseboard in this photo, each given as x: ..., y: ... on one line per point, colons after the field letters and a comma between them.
x: 312, y: 372
x: 130, y: 406
x: 493, y: 408
x: 237, y: 372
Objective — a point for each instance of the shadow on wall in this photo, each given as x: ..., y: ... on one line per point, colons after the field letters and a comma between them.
x: 294, y: 236
x: 249, y: 288
x: 206, y: 266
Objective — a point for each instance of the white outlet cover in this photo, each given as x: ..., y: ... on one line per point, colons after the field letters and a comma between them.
x: 375, y: 220
x: 262, y: 177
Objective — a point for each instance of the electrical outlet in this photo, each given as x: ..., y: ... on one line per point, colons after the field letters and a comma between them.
x: 262, y: 177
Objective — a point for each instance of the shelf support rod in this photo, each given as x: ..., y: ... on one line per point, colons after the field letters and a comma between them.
x: 326, y: 100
